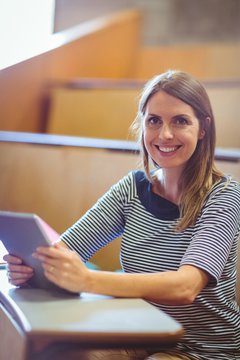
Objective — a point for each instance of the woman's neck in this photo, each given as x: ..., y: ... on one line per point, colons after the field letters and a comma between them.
x: 167, y: 184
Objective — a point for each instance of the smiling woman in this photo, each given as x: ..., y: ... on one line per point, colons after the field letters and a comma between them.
x: 179, y: 225
x: 176, y: 128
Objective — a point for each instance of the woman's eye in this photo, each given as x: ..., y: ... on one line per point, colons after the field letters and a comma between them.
x: 180, y: 121
x: 153, y: 122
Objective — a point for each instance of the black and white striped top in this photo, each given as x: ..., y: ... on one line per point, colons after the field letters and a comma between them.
x: 150, y: 243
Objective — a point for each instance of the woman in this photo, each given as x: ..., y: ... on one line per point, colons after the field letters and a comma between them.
x: 179, y: 221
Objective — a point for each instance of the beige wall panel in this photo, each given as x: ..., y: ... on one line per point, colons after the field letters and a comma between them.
x: 225, y: 103
x: 60, y: 183
x: 108, y: 113
x: 229, y: 168
x: 213, y: 61
x: 101, y: 113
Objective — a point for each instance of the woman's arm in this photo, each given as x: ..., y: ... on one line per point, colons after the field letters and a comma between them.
x: 170, y: 288
x: 64, y: 268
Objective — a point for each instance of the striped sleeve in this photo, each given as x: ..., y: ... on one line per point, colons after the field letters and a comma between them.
x: 103, y: 223
x: 215, y: 231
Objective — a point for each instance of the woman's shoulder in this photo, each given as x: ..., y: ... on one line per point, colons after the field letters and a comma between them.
x: 141, y: 181
x: 130, y: 182
x: 228, y: 183
x: 227, y: 187
x: 135, y: 176
x: 139, y: 176
x: 138, y: 182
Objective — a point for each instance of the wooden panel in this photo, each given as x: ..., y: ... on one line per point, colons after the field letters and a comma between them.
x: 214, y: 61
x: 90, y: 50
x: 60, y: 183
x: 230, y: 168
x: 109, y: 112
x: 101, y: 113
x: 225, y: 102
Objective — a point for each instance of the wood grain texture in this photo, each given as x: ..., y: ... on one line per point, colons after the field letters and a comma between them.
x: 60, y: 183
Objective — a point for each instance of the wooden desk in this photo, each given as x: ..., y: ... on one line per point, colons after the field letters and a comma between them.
x: 33, y: 322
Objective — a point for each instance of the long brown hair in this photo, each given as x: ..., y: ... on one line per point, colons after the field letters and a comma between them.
x: 200, y: 173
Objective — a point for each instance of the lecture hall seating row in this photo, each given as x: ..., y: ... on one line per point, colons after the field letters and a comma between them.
x: 61, y: 177
x: 109, y: 47
x: 105, y: 108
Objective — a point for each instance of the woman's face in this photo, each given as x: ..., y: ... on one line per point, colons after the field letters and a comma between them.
x: 170, y: 131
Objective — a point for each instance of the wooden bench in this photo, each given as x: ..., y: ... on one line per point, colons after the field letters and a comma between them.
x: 61, y: 177
x: 106, y: 108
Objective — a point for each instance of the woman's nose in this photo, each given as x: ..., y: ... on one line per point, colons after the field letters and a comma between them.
x: 166, y: 132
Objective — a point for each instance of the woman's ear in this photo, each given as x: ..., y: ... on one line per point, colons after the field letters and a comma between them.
x: 201, y: 134
x: 205, y: 126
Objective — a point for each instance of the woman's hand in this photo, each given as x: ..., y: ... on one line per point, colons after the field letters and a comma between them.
x: 18, y: 274
x: 63, y: 267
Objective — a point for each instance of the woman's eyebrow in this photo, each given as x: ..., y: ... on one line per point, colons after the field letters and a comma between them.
x: 183, y: 115
x: 152, y: 114
x: 186, y: 116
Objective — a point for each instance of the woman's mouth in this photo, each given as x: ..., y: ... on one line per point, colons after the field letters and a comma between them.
x: 168, y: 149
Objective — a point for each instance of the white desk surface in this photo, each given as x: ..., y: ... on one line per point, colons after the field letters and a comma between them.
x: 88, y: 316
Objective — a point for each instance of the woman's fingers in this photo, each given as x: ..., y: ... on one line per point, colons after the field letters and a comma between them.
x: 47, y: 254
x: 52, y: 273
x: 18, y: 282
x: 12, y: 259
x: 52, y: 261
x: 62, y: 266
x: 17, y: 273
x: 53, y: 251
x: 19, y: 268
x: 52, y: 255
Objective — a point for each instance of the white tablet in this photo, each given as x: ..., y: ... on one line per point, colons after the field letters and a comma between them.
x: 21, y: 234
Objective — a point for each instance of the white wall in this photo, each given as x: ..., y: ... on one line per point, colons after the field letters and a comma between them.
x: 24, y: 26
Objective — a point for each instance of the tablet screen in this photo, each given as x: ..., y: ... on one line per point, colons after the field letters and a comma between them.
x: 21, y: 234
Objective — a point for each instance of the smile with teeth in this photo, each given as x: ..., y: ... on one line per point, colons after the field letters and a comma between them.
x: 169, y: 149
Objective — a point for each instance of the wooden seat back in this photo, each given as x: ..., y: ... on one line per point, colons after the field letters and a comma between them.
x: 60, y: 178
x: 106, y: 109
